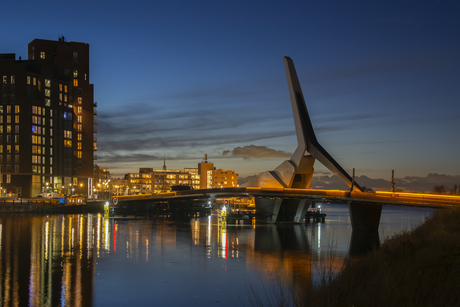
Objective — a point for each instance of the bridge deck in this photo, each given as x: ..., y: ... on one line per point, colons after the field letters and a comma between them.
x: 382, y: 197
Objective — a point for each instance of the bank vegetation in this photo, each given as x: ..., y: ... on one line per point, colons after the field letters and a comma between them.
x: 416, y: 268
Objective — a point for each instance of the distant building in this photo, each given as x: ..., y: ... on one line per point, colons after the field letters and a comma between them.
x: 47, y: 120
x: 161, y: 180
x: 212, y: 178
x: 101, y: 182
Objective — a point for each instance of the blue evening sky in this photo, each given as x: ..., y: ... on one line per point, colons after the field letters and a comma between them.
x: 179, y: 79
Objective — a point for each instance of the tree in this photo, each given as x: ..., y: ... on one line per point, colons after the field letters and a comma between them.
x: 440, y: 189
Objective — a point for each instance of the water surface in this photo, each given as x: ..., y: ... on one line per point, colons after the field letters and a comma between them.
x: 86, y: 260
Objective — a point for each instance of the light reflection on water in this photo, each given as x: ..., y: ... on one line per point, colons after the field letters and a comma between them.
x: 84, y: 260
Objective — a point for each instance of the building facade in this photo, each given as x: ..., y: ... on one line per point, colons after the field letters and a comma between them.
x: 47, y: 120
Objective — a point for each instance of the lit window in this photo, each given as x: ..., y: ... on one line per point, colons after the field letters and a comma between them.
x: 16, y: 148
x: 16, y: 119
x: 79, y: 100
x: 28, y: 79
x: 8, y: 129
x: 16, y: 130
x: 8, y: 119
x: 79, y: 145
x: 42, y: 55
x: 8, y: 109
x: 16, y: 109
x: 79, y: 154
x: 4, y: 80
x: 47, y: 102
x: 79, y: 118
x: 65, y: 88
x: 67, y: 134
x: 35, y: 81
x: 47, y: 92
x: 47, y: 83
x: 12, y: 80
x: 75, y: 73
x: 79, y: 110
x: 75, y: 82
x: 79, y: 136
x: 60, y: 96
x: 79, y: 128
x: 60, y: 87
x: 51, y: 122
x: 65, y: 98
x: 67, y: 143
x: 8, y: 178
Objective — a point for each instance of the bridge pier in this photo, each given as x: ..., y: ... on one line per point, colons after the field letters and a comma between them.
x: 274, y: 210
x: 364, y: 216
x: 267, y: 209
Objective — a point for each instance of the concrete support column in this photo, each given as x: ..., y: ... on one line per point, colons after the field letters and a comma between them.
x: 301, y: 211
x: 267, y: 209
x: 364, y: 216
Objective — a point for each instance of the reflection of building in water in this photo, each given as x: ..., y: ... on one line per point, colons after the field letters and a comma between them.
x: 49, y: 260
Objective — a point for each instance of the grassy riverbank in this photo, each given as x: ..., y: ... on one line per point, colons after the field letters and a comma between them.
x: 417, y: 268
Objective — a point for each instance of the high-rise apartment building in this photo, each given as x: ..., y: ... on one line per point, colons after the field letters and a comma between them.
x: 47, y: 120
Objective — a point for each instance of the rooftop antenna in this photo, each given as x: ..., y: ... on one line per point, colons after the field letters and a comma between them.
x: 164, y: 162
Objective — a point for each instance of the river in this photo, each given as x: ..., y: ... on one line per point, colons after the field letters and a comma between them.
x: 86, y: 260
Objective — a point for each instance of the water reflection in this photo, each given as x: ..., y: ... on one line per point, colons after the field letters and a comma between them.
x: 84, y: 260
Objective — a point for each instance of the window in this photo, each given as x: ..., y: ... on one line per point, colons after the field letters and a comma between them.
x: 51, y: 122
x: 16, y: 138
x: 8, y: 178
x: 16, y: 129
x: 16, y: 119
x: 65, y: 88
x: 75, y: 55
x: 8, y: 119
x: 8, y: 109
x: 79, y: 154
x: 60, y: 96
x: 75, y: 82
x: 67, y: 143
x: 47, y: 102
x: 35, y: 159
x: 47, y: 92
x: 16, y: 109
x: 1, y: 148
x: 67, y: 134
x: 16, y: 158
x: 79, y: 145
x: 79, y: 118
x: 79, y: 136
x: 79, y: 92
x: 42, y: 55
x: 12, y: 80
x: 79, y: 100
x: 65, y: 98
x: 79, y: 110
x: 47, y: 83
x: 16, y: 148
x: 75, y: 73
x: 8, y: 128
x: 60, y: 87
x: 4, y: 80
x: 28, y: 79
x: 79, y: 128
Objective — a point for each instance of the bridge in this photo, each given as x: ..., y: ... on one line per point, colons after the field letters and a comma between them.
x: 287, y: 188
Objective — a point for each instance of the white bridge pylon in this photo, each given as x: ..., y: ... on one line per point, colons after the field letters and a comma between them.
x: 297, y: 172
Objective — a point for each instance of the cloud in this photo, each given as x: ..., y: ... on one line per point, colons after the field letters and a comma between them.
x: 253, y: 151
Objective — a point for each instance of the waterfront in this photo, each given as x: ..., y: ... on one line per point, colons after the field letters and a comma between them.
x: 84, y: 260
